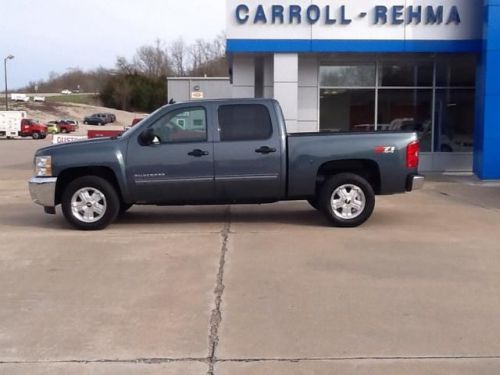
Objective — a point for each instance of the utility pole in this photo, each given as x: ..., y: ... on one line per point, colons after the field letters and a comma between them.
x: 10, y: 57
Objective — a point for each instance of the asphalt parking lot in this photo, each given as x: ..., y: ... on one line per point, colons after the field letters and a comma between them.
x: 268, y: 289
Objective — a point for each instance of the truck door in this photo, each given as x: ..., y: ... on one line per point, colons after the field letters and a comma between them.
x: 177, y: 166
x: 247, y: 154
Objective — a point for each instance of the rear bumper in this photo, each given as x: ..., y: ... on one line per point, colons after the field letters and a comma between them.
x: 43, y: 190
x: 415, y: 182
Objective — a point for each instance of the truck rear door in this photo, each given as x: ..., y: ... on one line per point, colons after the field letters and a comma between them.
x: 248, y: 153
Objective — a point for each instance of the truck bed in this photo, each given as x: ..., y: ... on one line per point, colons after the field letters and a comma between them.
x: 308, y: 152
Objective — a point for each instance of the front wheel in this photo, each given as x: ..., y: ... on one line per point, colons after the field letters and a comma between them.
x: 347, y: 200
x: 35, y: 136
x: 90, y: 203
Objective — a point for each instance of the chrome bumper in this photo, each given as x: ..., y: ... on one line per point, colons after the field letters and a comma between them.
x: 415, y: 183
x: 43, y: 190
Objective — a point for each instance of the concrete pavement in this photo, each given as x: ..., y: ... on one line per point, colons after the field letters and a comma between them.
x: 252, y: 289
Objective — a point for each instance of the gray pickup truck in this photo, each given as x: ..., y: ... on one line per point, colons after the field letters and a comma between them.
x: 223, y: 152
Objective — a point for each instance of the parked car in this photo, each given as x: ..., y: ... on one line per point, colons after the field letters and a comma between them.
x: 39, y: 99
x: 110, y: 116
x: 95, y: 119
x: 69, y: 121
x: 66, y: 127
x: 224, y: 152
x: 53, y: 127
x: 66, y: 92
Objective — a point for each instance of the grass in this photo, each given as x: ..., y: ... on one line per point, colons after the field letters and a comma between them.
x: 90, y: 99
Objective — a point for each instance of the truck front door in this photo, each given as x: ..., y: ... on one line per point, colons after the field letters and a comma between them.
x: 247, y: 154
x: 177, y: 165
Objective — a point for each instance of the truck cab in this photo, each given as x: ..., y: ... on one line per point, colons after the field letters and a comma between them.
x: 32, y: 128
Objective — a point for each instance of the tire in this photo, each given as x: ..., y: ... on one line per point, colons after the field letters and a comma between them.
x: 85, y: 123
x: 314, y: 202
x: 96, y: 212
x: 355, y: 200
x: 35, y: 136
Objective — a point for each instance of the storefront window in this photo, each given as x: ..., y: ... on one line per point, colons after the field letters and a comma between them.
x: 344, y: 110
x: 399, y: 93
x: 454, y: 120
x: 348, y: 76
x: 406, y: 74
x: 407, y: 110
x: 456, y: 72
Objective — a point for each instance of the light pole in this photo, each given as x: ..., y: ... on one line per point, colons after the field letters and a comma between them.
x: 10, y: 57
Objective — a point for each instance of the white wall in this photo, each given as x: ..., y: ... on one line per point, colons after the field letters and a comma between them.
x: 243, y: 76
x: 308, y: 102
x: 286, y: 87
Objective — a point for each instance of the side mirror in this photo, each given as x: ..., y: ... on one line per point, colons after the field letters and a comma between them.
x: 147, y: 137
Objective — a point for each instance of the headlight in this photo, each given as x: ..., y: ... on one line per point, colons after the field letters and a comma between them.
x: 43, y: 166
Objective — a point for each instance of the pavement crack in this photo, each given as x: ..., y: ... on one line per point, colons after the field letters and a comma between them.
x: 360, y: 358
x: 148, y: 361
x: 216, y: 316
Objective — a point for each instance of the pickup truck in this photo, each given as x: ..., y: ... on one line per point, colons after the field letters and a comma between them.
x: 223, y: 152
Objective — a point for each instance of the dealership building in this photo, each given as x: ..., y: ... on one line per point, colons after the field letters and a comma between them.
x: 378, y: 65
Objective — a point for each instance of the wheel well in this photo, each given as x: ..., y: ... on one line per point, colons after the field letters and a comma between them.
x: 68, y: 175
x: 368, y: 169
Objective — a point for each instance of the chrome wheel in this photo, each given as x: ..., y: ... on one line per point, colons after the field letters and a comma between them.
x: 348, y: 202
x: 88, y: 205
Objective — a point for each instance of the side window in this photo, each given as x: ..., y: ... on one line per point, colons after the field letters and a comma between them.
x: 244, y: 122
x: 186, y: 125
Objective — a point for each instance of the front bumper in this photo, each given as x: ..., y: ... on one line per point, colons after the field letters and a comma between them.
x: 43, y: 190
x: 415, y: 182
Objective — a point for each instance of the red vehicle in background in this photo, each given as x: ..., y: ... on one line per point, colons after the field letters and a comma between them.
x: 67, y: 127
x: 32, y: 128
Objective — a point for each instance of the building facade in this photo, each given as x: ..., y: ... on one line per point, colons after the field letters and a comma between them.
x: 378, y: 65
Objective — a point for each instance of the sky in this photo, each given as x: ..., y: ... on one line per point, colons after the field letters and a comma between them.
x: 54, y: 35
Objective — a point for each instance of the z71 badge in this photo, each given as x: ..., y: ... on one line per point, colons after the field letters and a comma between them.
x: 385, y: 150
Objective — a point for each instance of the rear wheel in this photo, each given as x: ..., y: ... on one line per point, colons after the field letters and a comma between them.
x: 90, y: 203
x: 347, y: 200
x: 35, y: 136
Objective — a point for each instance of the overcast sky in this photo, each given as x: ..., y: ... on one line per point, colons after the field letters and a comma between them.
x: 53, y: 35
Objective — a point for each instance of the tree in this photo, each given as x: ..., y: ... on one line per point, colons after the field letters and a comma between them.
x: 153, y: 60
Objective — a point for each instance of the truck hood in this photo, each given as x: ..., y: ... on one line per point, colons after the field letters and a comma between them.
x: 48, y: 150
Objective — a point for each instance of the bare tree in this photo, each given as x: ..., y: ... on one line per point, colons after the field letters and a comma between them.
x: 178, y: 57
x: 153, y: 60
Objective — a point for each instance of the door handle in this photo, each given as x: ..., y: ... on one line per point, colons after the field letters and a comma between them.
x: 198, y: 153
x: 265, y: 150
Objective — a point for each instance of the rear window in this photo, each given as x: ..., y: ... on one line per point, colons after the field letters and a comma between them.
x: 244, y: 122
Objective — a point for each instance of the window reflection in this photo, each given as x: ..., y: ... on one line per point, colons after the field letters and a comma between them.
x: 348, y: 76
x: 458, y: 71
x: 454, y: 120
x: 401, y: 90
x: 407, y: 110
x: 343, y: 110
x: 410, y: 74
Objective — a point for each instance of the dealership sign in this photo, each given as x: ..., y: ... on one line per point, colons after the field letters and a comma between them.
x: 340, y: 15
x: 355, y: 25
